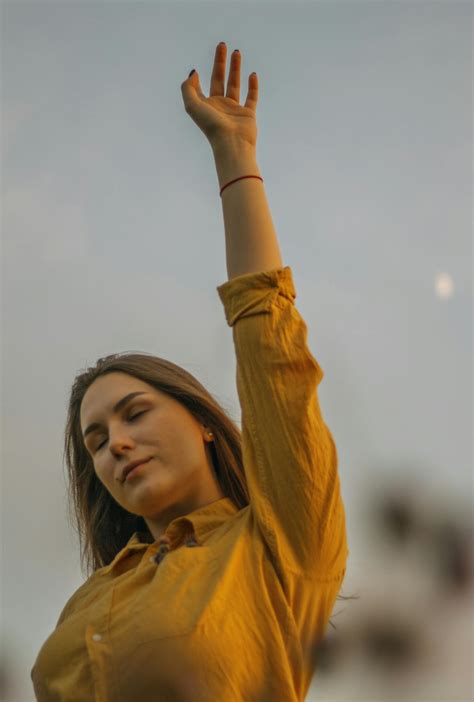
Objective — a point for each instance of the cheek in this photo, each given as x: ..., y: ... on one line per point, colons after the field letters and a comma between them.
x: 190, y: 453
x: 104, y: 474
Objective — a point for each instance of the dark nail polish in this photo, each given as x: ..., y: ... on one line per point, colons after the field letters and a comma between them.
x: 193, y: 71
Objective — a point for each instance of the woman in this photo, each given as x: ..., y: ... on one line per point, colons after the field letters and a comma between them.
x: 216, y: 557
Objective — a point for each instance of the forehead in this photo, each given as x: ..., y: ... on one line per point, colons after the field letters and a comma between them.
x: 107, y: 390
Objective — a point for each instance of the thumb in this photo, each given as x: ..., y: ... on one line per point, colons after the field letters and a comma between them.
x: 191, y: 91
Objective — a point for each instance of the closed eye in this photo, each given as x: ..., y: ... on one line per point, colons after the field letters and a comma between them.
x: 130, y: 419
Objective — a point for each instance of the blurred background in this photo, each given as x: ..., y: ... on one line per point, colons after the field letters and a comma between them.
x: 113, y: 240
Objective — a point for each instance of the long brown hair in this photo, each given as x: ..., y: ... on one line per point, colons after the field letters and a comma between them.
x: 103, y: 526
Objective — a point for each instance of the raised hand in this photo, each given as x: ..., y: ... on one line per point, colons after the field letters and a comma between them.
x: 221, y: 117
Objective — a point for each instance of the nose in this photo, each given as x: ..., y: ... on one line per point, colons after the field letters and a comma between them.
x: 119, y: 440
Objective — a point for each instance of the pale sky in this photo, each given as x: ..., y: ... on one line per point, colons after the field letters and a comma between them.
x: 113, y: 239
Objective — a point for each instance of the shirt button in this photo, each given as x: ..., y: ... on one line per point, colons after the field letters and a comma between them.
x: 97, y: 637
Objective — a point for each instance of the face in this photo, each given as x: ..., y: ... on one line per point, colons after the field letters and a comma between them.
x: 178, y: 477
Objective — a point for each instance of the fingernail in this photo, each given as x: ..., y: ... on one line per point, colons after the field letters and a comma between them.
x: 193, y: 71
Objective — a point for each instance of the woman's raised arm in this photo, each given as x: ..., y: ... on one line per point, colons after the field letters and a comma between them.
x: 231, y: 129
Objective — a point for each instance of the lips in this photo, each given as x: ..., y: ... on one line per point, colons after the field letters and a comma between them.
x: 133, y: 465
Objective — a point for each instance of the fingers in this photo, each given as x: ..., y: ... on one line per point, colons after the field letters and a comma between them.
x: 233, y: 83
x: 252, y: 95
x: 218, y: 71
x: 191, y: 91
x: 191, y: 88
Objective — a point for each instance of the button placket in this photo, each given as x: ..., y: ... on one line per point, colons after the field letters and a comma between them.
x: 164, y: 548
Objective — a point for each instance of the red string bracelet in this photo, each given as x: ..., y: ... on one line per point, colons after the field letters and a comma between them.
x: 236, y: 179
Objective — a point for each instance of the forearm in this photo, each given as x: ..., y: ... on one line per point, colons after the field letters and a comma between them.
x: 250, y: 237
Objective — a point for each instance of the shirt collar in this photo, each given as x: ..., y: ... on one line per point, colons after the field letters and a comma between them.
x: 199, y: 523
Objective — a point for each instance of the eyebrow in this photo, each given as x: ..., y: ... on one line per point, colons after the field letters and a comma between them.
x: 120, y: 404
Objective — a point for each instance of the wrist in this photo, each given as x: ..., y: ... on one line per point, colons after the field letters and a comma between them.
x: 234, y: 158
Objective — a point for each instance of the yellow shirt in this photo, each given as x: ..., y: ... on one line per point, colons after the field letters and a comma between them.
x: 231, y: 617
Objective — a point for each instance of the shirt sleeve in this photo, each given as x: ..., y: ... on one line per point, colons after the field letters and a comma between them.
x: 289, y: 455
